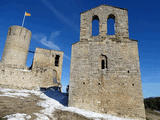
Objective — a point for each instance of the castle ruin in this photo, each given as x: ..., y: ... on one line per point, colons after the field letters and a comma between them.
x: 105, y: 71
x: 46, y: 68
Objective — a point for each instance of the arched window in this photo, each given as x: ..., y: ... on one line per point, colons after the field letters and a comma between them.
x: 95, y: 25
x: 104, y: 62
x: 111, y: 25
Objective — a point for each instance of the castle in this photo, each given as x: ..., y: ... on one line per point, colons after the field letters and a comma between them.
x: 105, y: 71
x: 46, y: 68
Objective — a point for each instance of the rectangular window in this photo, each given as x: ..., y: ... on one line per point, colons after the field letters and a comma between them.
x: 102, y: 64
x: 57, y: 60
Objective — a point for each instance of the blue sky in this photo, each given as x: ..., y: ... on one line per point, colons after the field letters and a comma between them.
x: 55, y: 25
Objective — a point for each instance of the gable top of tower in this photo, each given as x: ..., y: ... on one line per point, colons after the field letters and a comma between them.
x: 103, y: 6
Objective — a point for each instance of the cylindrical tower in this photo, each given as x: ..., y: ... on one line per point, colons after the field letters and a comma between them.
x: 17, y: 45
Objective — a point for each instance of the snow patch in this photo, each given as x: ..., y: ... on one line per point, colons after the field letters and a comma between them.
x: 15, y: 94
x: 25, y: 70
x: 49, y: 105
x: 18, y: 93
x: 89, y: 114
x: 41, y: 116
x: 157, y: 111
x: 18, y: 116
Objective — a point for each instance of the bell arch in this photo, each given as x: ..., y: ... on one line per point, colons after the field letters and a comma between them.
x: 95, y: 25
x: 111, y: 25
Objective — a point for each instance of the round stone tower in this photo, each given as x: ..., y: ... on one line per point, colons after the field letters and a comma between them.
x: 17, y: 45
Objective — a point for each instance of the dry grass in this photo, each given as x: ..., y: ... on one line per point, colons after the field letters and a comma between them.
x: 11, y: 105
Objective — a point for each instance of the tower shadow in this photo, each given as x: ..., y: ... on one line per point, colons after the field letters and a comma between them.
x: 54, y: 93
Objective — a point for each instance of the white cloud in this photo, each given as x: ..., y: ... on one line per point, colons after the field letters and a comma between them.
x: 48, y: 41
x: 67, y: 57
x: 59, y: 14
x: 54, y: 35
x: 49, y: 44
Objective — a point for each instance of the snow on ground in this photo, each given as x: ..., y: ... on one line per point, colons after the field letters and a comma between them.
x: 89, y: 114
x: 17, y: 93
x: 18, y: 116
x: 49, y: 105
x: 41, y: 116
x: 156, y: 111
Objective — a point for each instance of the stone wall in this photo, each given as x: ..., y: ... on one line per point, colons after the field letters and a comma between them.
x: 105, y: 73
x: 25, y: 78
x: 16, y: 46
x: 46, y: 59
x: 44, y: 72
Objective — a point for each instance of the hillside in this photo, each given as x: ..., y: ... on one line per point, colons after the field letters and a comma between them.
x: 48, y: 105
x: 152, y: 106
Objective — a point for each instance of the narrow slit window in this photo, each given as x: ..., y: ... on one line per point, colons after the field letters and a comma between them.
x: 95, y: 26
x: 111, y: 25
x: 103, y: 64
x: 106, y: 63
x: 57, y: 60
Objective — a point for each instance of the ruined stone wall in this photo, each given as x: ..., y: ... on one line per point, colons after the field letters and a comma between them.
x: 24, y: 78
x: 13, y: 70
x: 20, y: 78
x: 116, y: 87
x: 46, y: 59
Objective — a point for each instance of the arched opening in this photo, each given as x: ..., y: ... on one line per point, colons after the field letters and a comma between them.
x: 111, y: 25
x: 104, y: 62
x: 95, y: 25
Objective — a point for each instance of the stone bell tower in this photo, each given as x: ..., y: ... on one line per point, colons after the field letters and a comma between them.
x: 105, y: 71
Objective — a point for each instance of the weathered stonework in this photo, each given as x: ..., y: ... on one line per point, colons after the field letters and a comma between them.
x: 16, y: 46
x: 105, y: 71
x: 46, y: 68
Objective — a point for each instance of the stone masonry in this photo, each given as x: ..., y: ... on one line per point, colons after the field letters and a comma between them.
x: 105, y: 71
x: 46, y: 68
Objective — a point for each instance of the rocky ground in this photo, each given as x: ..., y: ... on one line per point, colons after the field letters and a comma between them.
x: 36, y: 105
